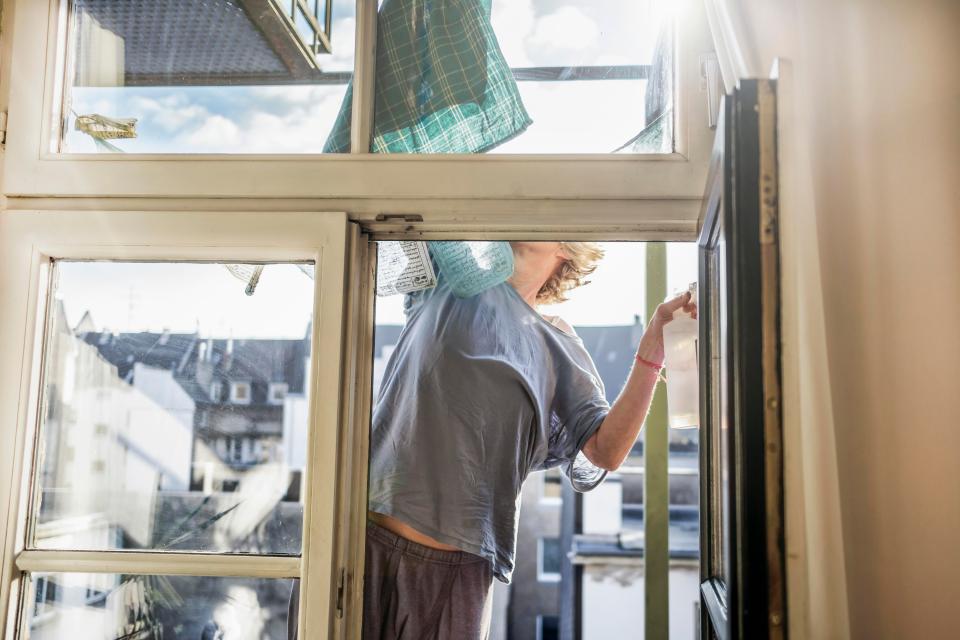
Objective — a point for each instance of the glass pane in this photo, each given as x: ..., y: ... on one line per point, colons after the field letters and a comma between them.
x: 107, y: 606
x: 158, y: 428
x: 320, y: 10
x: 307, y: 32
x: 552, y: 556
x: 721, y: 454
x: 524, y: 76
x: 201, y: 77
x: 624, y: 48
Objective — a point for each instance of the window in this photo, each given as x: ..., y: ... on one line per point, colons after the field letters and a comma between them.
x: 595, y: 76
x: 231, y: 101
x: 216, y: 391
x: 215, y: 607
x: 216, y: 77
x: 240, y: 392
x: 146, y: 388
x: 552, y: 486
x: 548, y: 628
x: 277, y: 392
x: 153, y: 495
x: 549, y: 559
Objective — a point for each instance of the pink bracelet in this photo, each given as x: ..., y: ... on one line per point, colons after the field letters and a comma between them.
x: 653, y: 365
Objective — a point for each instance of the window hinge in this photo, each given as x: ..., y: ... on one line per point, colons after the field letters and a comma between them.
x: 341, y: 587
x: 3, y: 127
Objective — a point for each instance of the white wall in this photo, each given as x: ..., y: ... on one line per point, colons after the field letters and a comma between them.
x: 875, y: 172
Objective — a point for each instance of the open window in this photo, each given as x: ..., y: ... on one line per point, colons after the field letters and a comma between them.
x: 142, y: 502
x: 582, y: 558
x: 742, y: 530
x: 80, y: 69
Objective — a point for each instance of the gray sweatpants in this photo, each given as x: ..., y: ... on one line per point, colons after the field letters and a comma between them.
x: 413, y: 592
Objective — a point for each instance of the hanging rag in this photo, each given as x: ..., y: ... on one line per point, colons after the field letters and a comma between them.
x: 442, y: 83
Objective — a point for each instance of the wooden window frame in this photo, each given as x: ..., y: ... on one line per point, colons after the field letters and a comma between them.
x: 29, y: 243
x: 394, y: 183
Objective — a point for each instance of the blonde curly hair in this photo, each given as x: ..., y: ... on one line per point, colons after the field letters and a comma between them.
x: 581, y: 261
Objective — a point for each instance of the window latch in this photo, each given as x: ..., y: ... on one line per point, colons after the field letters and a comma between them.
x: 398, y: 217
x: 711, y: 83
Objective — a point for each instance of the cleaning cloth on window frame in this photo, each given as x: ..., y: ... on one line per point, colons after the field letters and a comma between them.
x: 442, y: 83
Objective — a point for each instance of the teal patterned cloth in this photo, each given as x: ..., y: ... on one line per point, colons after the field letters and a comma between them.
x: 442, y: 83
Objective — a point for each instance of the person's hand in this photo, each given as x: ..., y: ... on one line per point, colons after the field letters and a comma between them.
x: 665, y: 311
x: 651, y: 344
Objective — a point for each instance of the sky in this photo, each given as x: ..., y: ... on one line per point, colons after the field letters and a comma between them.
x: 184, y: 297
x: 581, y: 117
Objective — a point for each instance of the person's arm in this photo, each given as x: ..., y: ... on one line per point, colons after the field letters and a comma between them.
x: 611, y: 444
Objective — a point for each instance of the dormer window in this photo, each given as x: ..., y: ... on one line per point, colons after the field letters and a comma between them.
x: 277, y: 392
x: 240, y: 392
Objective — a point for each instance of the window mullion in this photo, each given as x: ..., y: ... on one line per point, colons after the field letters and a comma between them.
x: 158, y: 563
x: 364, y: 70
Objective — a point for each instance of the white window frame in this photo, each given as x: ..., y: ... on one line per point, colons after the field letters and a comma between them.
x: 275, y: 386
x: 29, y: 240
x: 235, y: 387
x: 544, y: 576
x: 659, y: 190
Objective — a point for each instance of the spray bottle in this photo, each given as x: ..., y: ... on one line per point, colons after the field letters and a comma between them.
x: 680, y: 359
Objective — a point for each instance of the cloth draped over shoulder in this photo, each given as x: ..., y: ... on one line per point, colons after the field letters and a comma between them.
x: 442, y: 83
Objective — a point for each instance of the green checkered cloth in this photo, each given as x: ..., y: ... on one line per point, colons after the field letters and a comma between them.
x: 442, y: 83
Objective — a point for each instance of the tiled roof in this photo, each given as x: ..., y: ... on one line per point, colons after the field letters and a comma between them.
x: 125, y: 349
x: 257, y: 361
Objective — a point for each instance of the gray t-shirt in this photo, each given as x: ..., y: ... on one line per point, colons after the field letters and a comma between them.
x: 478, y: 393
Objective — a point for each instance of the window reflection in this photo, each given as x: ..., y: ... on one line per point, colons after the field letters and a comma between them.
x: 114, y: 607
x: 173, y: 439
x: 224, y: 76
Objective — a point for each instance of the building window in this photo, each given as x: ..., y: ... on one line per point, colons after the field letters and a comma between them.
x: 216, y: 391
x: 548, y: 627
x: 548, y: 559
x: 552, y: 486
x: 277, y: 392
x: 240, y: 392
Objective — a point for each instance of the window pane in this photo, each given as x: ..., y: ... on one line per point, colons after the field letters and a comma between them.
x: 622, y: 46
x: 158, y: 430
x: 149, y: 76
x: 551, y: 556
x: 524, y: 76
x: 110, y: 606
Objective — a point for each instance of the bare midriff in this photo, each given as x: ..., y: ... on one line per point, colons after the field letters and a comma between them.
x: 404, y: 530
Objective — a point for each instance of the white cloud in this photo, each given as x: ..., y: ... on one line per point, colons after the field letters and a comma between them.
x: 300, y: 125
x: 513, y: 21
x: 343, y: 34
x: 566, y: 28
x: 216, y: 134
